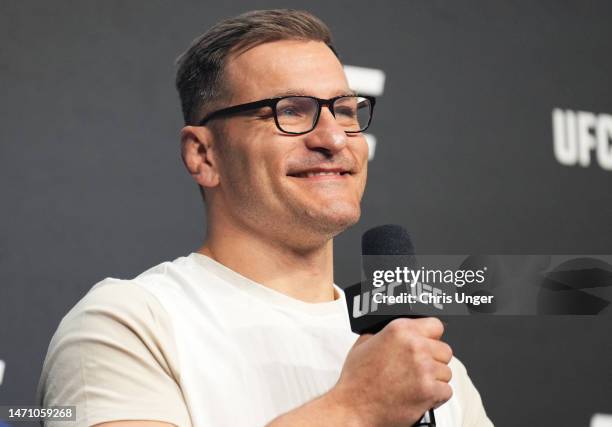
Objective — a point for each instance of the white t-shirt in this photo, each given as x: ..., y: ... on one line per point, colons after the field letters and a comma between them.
x: 193, y: 343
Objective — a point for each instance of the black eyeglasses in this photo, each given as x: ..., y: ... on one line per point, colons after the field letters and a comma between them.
x: 297, y: 115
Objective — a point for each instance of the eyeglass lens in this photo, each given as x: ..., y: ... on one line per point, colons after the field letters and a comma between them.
x: 298, y: 114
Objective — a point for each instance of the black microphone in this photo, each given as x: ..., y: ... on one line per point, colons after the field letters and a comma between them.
x: 383, y: 248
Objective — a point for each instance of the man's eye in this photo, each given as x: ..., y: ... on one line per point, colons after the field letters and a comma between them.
x: 289, y: 112
x: 345, y: 111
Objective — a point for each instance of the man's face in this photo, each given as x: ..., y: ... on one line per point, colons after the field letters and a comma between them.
x: 266, y: 176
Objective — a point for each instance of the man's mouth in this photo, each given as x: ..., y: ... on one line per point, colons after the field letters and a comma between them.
x: 314, y: 173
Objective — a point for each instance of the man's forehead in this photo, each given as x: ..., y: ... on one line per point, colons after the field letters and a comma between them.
x: 285, y: 67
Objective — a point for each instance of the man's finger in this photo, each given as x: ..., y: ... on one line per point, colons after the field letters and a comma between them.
x: 443, y: 372
x: 444, y: 392
x: 430, y: 327
x: 440, y: 351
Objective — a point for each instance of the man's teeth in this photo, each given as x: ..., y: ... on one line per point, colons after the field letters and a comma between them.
x: 311, y: 174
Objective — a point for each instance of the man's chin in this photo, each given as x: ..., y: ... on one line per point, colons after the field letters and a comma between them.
x: 335, y: 219
x: 311, y: 229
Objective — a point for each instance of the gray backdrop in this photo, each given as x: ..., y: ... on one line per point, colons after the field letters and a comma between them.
x: 92, y: 183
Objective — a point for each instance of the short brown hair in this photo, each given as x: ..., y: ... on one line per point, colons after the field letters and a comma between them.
x: 199, y: 78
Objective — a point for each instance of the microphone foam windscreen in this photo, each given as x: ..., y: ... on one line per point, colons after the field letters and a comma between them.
x: 386, y: 247
x: 388, y: 239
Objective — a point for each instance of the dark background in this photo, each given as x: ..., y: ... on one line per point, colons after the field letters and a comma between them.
x: 92, y: 184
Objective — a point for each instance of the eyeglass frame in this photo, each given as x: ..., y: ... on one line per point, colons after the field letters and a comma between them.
x: 273, y: 102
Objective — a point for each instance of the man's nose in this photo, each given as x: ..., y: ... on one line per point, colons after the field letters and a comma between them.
x: 328, y: 135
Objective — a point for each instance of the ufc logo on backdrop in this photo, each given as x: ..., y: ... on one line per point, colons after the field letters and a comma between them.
x: 579, y: 135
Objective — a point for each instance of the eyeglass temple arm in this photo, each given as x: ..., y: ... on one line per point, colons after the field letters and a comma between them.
x: 237, y: 109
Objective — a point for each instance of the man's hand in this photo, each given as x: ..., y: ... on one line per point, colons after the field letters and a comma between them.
x: 394, y: 377
x: 388, y: 379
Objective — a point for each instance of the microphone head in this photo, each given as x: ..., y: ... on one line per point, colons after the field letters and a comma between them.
x: 386, y: 246
x: 388, y: 239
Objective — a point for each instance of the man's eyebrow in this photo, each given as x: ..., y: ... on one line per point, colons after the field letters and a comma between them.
x: 303, y: 92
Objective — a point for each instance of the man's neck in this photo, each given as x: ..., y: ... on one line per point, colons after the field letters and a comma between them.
x: 304, y: 275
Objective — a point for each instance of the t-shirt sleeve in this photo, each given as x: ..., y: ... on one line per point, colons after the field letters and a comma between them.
x: 114, y: 357
x: 474, y: 414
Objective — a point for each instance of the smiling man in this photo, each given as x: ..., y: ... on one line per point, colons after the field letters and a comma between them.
x: 250, y: 329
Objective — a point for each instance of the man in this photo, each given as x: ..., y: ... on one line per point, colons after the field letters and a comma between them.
x: 250, y: 329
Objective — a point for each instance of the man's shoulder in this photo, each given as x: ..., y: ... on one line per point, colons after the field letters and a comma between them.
x: 117, y: 337
x: 137, y: 293
x: 114, y: 312
x: 129, y: 299
x: 116, y: 298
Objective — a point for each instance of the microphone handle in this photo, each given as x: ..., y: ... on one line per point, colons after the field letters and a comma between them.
x: 365, y: 325
x: 428, y: 420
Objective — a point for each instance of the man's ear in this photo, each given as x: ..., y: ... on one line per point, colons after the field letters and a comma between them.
x: 198, y: 156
